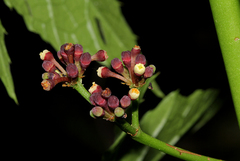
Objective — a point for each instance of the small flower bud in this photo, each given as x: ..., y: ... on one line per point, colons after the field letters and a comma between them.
x: 46, y: 55
x: 148, y: 72
x: 47, y: 84
x: 72, y: 70
x: 48, y: 66
x: 140, y: 59
x: 95, y: 88
x: 64, y: 56
x: 139, y: 69
x: 106, y: 93
x: 97, y: 98
x: 125, y: 101
x: 126, y: 58
x: 78, y: 51
x: 135, y: 51
x: 119, y: 112
x: 52, y: 75
x: 104, y: 72
x: 85, y: 60
x: 154, y: 68
x: 117, y: 65
x: 98, y: 111
x: 101, y: 56
x: 133, y: 93
x: 113, y: 102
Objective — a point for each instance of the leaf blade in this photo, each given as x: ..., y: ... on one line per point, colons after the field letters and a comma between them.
x: 5, y: 73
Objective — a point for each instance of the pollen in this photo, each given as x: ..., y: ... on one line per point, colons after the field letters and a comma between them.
x: 45, y: 84
x: 68, y: 46
x: 134, y: 93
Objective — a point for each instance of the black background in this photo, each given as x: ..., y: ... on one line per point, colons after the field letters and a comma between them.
x: 177, y: 36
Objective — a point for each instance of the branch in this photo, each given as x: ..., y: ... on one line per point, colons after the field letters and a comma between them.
x: 226, y: 15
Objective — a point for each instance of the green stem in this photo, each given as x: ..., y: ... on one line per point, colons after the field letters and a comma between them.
x: 82, y: 90
x: 141, y: 137
x: 226, y: 15
x: 135, y: 116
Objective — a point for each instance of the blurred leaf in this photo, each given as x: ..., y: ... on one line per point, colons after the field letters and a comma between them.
x: 93, y: 24
x: 5, y: 73
x: 172, y: 117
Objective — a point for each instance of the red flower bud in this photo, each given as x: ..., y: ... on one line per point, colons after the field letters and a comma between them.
x: 78, y: 51
x: 126, y: 58
x: 52, y: 75
x: 69, y: 50
x: 125, y: 101
x: 72, y: 70
x: 135, y: 51
x: 97, y: 98
x: 148, y: 72
x: 117, y: 65
x: 95, y: 88
x: 48, y: 84
x: 113, y: 102
x: 101, y: 56
x: 140, y: 59
x: 48, y: 66
x: 85, y: 60
x: 104, y: 72
x: 46, y: 55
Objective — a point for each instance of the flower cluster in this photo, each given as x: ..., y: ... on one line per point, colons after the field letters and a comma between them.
x: 132, y: 71
x: 76, y: 63
x: 108, y: 106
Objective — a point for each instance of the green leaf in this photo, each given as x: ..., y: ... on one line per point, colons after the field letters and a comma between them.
x: 93, y: 24
x: 172, y: 117
x: 5, y: 73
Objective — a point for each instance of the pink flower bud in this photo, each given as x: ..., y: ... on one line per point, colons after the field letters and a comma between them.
x: 113, y: 102
x: 125, y: 101
x: 140, y: 59
x: 72, y: 70
x: 135, y: 51
x: 97, y: 98
x: 101, y: 56
x: 46, y: 55
x: 148, y: 72
x: 117, y: 65
x: 133, y: 93
x: 98, y: 111
x: 126, y: 58
x: 78, y: 50
x: 95, y: 88
x: 85, y: 60
x: 48, y: 66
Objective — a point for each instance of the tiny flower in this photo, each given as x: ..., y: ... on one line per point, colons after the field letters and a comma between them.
x: 133, y: 93
x: 135, y: 51
x: 117, y: 65
x: 140, y: 58
x: 46, y: 55
x: 101, y: 56
x: 148, y: 72
x: 126, y: 58
x: 106, y: 93
x: 99, y: 100
x: 119, y: 112
x: 125, y: 101
x: 48, y: 66
x: 95, y: 88
x: 113, y: 102
x: 72, y: 70
x: 85, y: 60
x: 52, y: 75
x: 97, y: 111
x: 69, y: 50
x: 139, y: 69
x: 48, y: 84
x: 78, y: 50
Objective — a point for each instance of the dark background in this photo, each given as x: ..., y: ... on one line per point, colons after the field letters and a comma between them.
x: 178, y: 37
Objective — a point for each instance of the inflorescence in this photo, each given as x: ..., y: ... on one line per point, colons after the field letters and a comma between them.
x: 132, y: 71
x: 76, y: 64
